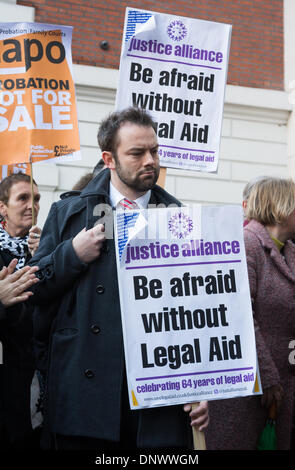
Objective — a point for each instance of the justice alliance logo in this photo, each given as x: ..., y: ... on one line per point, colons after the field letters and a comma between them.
x: 177, y: 30
x: 180, y: 225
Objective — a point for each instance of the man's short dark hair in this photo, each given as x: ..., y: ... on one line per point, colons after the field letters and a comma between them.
x: 108, y: 130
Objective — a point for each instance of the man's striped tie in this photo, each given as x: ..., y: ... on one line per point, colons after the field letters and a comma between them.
x: 128, y: 204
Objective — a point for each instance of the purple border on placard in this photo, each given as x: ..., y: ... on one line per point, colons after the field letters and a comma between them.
x: 191, y: 150
x: 182, y: 264
x: 173, y: 62
x: 193, y: 373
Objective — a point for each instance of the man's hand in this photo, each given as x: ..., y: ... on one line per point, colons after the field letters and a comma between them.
x: 88, y: 243
x: 14, y: 285
x: 199, y: 415
x: 34, y: 239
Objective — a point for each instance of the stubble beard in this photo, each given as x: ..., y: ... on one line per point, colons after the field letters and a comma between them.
x: 137, y: 183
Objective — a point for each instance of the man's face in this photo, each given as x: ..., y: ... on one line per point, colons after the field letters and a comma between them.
x: 136, y: 160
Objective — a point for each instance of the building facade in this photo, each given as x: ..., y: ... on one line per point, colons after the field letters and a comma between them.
x: 258, y: 135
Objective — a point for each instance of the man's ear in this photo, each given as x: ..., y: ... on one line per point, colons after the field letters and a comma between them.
x: 109, y: 160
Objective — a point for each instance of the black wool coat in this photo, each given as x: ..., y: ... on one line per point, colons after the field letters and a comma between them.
x: 17, y: 370
x: 78, y: 314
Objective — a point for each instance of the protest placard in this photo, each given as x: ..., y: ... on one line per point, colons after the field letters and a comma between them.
x: 185, y: 303
x: 6, y: 170
x: 38, y: 115
x: 176, y: 68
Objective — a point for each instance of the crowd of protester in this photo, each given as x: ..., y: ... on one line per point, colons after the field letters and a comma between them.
x: 269, y: 231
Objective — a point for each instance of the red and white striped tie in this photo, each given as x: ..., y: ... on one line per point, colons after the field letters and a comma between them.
x: 128, y: 204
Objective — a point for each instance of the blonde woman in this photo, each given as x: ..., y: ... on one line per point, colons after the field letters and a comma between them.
x: 237, y: 423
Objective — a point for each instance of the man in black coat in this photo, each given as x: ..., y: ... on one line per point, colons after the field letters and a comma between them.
x: 78, y: 309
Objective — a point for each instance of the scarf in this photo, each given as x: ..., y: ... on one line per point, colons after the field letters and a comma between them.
x: 17, y: 246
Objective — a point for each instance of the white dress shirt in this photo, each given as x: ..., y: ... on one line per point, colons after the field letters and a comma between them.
x: 116, y: 197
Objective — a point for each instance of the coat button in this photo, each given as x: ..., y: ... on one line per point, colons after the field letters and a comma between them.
x: 89, y: 374
x: 95, y: 329
x: 100, y: 289
x: 40, y: 274
x: 48, y: 272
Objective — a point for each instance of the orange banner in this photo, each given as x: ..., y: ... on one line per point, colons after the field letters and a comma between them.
x: 6, y: 170
x: 38, y: 112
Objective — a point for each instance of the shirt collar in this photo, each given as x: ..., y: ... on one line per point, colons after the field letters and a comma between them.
x: 116, y: 197
x: 278, y: 243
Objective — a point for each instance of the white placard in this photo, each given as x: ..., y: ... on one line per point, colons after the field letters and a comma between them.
x: 176, y: 68
x: 185, y: 305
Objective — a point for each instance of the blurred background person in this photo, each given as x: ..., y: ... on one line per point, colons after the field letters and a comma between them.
x: 236, y: 424
x: 85, y: 179
x: 82, y: 182
x: 17, y: 238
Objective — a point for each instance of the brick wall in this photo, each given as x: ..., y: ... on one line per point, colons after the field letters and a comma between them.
x: 257, y: 47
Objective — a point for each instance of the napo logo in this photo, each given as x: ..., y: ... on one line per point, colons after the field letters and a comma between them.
x: 180, y: 225
x: 176, y: 30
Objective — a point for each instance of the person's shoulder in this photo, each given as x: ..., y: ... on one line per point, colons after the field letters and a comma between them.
x: 162, y: 196
x: 253, y: 231
x: 69, y: 199
x: 68, y: 203
x: 69, y: 194
x: 256, y: 239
